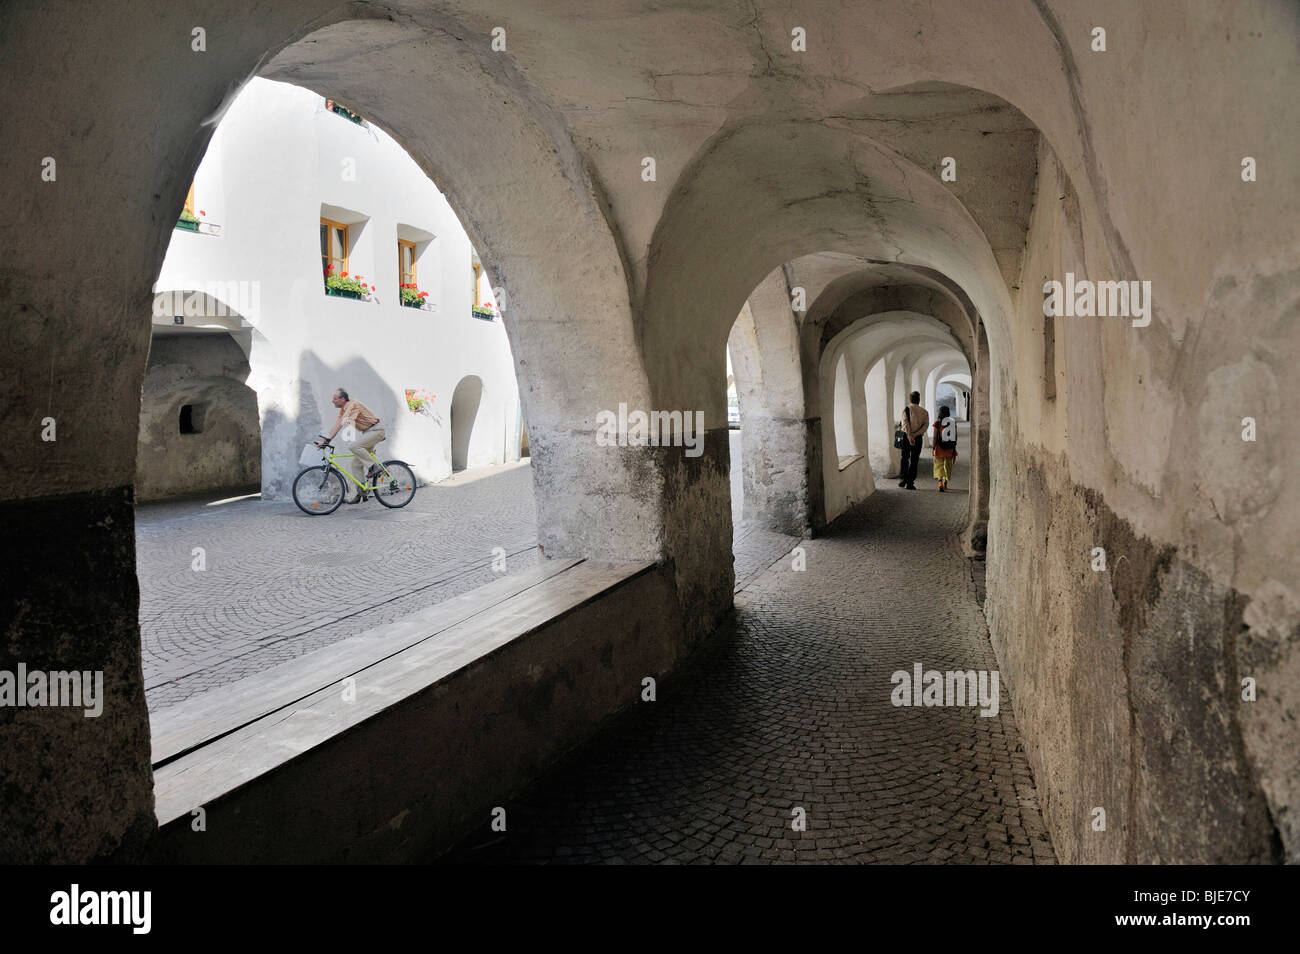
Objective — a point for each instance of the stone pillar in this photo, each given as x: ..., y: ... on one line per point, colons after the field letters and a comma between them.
x: 880, y: 429
x: 976, y: 535
x: 858, y: 405
x: 894, y: 380
x: 773, y: 434
x: 77, y: 787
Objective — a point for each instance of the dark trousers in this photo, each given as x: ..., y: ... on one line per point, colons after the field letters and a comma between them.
x: 911, y: 457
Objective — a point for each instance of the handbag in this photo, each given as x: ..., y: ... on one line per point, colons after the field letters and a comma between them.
x: 900, y: 435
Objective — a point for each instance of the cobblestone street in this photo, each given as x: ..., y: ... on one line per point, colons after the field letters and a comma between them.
x: 792, y: 711
x: 277, y: 584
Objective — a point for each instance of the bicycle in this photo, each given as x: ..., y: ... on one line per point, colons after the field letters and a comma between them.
x: 320, y: 490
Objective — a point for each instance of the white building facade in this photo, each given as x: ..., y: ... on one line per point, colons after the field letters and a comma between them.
x: 292, y: 183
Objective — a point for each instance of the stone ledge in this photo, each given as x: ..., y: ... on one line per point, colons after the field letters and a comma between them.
x: 212, y: 715
x: 441, y: 729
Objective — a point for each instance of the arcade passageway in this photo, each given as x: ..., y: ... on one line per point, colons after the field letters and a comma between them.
x: 792, y: 710
x: 846, y: 202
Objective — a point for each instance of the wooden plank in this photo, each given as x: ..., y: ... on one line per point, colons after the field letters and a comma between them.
x: 225, y: 764
x: 211, y: 714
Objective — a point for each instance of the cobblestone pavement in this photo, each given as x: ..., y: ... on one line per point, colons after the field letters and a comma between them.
x: 277, y: 584
x: 792, y: 710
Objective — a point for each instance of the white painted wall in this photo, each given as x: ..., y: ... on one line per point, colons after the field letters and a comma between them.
x: 845, y: 441
x: 277, y: 156
x: 880, y: 420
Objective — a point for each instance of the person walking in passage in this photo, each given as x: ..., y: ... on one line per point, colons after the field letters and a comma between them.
x: 362, y: 435
x: 914, y: 423
x: 944, y: 451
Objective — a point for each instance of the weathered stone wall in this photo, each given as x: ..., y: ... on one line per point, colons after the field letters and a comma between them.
x: 1128, y: 680
x: 73, y: 786
x: 208, y: 372
x: 774, y: 431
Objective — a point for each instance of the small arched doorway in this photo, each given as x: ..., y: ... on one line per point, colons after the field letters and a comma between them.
x: 464, y: 409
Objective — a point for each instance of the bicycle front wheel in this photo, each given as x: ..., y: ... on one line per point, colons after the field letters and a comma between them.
x: 396, y: 488
x: 318, y: 490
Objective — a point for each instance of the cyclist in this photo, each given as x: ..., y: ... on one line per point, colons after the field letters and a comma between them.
x: 365, y: 434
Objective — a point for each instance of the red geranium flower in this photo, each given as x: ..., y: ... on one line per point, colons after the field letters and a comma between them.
x: 345, y: 274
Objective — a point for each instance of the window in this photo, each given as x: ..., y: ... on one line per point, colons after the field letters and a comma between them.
x: 188, y: 220
x: 340, y: 109
x: 333, y: 246
x: 478, y: 273
x: 192, y: 418
x: 406, y: 262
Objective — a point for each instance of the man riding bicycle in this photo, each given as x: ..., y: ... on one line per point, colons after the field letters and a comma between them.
x: 362, y: 437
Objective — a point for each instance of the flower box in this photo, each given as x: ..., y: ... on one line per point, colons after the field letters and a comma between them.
x: 187, y: 225
x: 483, y: 314
x: 344, y: 285
x: 343, y: 111
x: 411, y: 296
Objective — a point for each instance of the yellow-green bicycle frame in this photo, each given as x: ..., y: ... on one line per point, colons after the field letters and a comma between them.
x: 367, y: 488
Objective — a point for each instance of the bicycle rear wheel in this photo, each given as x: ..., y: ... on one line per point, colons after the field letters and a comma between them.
x: 397, y: 487
x: 318, y: 490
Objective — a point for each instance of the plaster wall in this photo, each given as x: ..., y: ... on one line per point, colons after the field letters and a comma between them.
x: 1128, y: 679
x: 846, y: 440
x: 880, y: 421
x: 278, y: 162
x: 853, y: 483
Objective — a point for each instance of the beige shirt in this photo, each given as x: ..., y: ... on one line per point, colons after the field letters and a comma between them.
x: 914, y: 421
x: 358, y: 415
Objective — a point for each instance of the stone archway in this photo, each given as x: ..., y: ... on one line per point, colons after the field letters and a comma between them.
x: 919, y: 342
x: 761, y: 159
x: 581, y: 354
